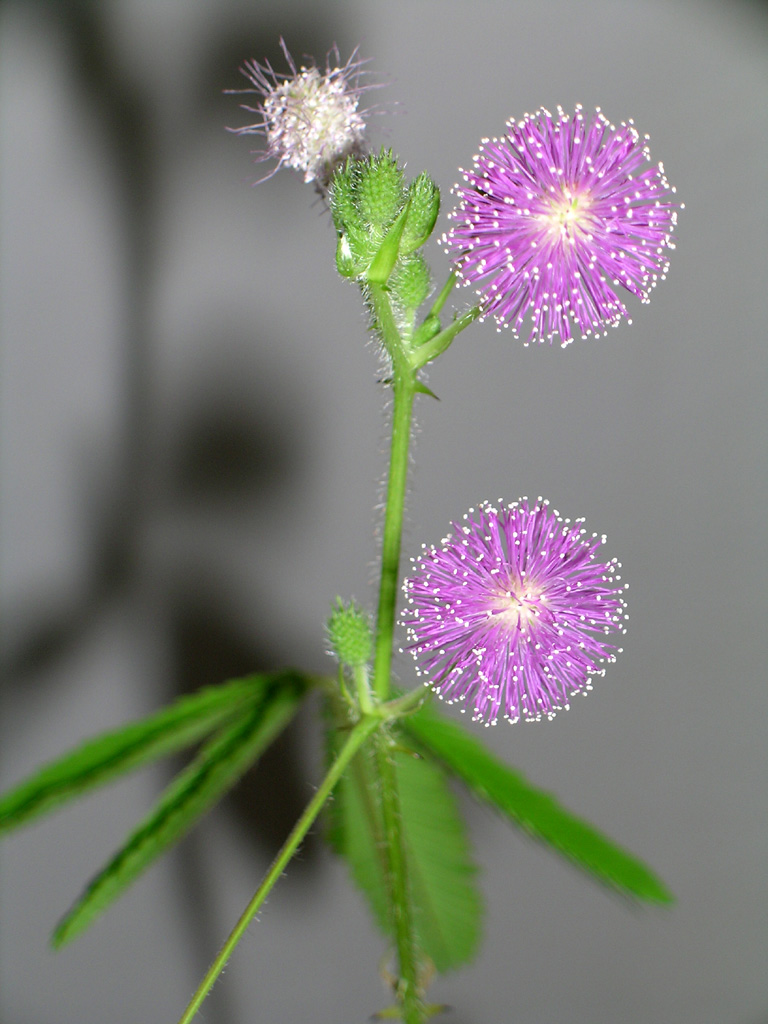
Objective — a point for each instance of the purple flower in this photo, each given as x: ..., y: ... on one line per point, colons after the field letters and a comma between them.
x: 554, y: 215
x: 309, y: 118
x: 511, y: 613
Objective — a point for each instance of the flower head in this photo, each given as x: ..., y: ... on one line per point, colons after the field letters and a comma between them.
x: 349, y: 634
x: 511, y: 613
x: 554, y: 215
x: 309, y: 118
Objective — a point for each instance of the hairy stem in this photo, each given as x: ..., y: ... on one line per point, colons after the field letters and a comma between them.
x: 360, y: 733
x: 404, y: 387
x: 407, y: 992
x: 436, y: 346
x: 392, y: 537
x: 360, y: 676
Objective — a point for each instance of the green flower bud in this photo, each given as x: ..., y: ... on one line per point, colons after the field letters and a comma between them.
x: 427, y: 330
x: 341, y: 198
x: 349, y: 634
x: 379, y: 194
x: 377, y: 219
x: 346, y: 264
x: 410, y: 283
x: 424, y: 197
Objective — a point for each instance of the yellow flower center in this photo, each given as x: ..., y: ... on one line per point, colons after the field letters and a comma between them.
x: 519, y: 606
x: 568, y: 215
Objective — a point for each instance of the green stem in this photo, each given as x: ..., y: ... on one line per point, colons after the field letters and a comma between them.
x: 404, y: 384
x: 405, y: 365
x: 360, y: 733
x: 442, y: 298
x: 360, y: 676
x: 404, y: 705
x: 393, y: 529
x: 404, y: 387
x: 431, y: 349
x: 408, y: 982
x: 385, y: 320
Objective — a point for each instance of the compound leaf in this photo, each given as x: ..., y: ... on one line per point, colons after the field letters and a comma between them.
x: 445, y: 902
x: 217, y: 767
x: 106, y: 757
x: 537, y: 812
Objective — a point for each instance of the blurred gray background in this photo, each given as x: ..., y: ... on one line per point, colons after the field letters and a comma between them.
x: 192, y: 453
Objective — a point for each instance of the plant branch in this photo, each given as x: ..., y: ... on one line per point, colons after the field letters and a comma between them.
x: 403, y: 387
x: 431, y: 349
x: 407, y: 991
x: 360, y: 733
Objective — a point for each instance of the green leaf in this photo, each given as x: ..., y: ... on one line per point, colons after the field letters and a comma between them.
x: 386, y: 256
x: 445, y: 903
x: 355, y: 830
x: 104, y: 758
x: 218, y: 766
x: 535, y: 811
x: 422, y: 389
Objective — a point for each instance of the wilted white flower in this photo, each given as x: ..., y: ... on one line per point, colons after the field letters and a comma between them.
x: 310, y: 118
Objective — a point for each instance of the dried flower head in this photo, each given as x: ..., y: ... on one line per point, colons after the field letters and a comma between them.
x: 554, y: 215
x: 511, y: 613
x: 309, y: 118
